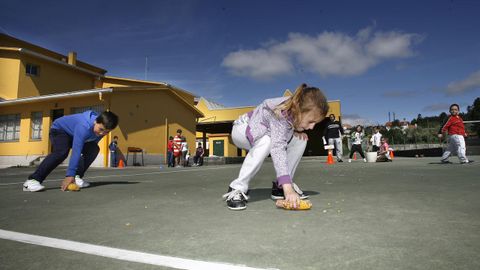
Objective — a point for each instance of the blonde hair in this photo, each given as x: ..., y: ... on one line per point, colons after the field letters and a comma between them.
x: 305, y: 99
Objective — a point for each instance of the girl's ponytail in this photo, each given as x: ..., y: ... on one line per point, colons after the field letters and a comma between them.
x: 305, y: 98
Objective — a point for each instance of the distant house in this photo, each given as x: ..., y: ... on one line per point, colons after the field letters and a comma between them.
x: 404, y: 124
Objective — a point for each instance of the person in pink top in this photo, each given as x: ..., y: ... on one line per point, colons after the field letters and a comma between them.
x: 276, y: 127
x: 384, y: 152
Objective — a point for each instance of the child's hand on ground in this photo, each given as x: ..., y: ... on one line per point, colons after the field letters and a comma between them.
x: 67, y: 181
x: 301, y: 135
x: 291, y: 196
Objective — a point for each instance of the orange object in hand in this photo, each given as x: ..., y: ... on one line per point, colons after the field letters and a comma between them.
x: 304, y: 205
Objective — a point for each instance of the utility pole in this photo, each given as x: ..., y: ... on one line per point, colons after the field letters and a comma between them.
x: 146, y: 67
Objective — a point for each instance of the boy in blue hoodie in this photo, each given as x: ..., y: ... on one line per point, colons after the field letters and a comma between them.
x: 81, y: 133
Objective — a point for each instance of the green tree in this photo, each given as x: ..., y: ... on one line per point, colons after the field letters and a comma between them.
x: 473, y: 113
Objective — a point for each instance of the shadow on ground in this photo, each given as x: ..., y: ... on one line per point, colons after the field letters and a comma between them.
x: 98, y: 184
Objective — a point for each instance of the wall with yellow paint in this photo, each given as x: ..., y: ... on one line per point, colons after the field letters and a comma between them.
x: 26, y: 146
x: 9, y: 75
x: 52, y: 78
x: 334, y: 108
x: 218, y: 115
x: 229, y: 149
x: 143, y: 116
x: 109, y: 81
x: 14, y: 43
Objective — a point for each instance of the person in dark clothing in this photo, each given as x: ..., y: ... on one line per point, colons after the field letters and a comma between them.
x: 198, y: 158
x: 113, y: 152
x: 333, y: 134
x: 357, y: 139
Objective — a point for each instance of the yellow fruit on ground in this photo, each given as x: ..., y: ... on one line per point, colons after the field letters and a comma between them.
x: 73, y: 187
x: 304, y: 205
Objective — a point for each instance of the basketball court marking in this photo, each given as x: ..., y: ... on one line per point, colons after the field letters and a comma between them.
x: 120, y: 254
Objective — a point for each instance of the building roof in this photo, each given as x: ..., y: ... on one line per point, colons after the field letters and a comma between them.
x: 7, y: 41
x: 145, y: 82
x: 100, y: 91
x: 211, y: 105
x: 72, y: 94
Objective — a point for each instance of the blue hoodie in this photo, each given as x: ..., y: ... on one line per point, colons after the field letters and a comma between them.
x: 80, y: 127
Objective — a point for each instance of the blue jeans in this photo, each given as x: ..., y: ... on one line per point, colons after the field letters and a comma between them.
x: 61, y: 144
x: 170, y: 159
x: 113, y: 159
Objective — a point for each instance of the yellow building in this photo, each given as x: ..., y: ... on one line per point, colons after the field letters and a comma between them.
x: 37, y: 86
x: 215, y: 127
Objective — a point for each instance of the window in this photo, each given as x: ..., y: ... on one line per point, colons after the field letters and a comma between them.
x: 36, y: 125
x: 9, y: 127
x: 32, y: 70
x: 96, y: 108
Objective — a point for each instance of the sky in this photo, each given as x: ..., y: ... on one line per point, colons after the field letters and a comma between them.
x: 403, y: 57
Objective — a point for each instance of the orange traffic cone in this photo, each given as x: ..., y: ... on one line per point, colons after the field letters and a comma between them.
x: 391, y: 154
x: 121, y: 164
x: 330, y: 157
x: 355, y: 156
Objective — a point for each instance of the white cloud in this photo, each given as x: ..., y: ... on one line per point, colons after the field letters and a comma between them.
x: 471, y: 83
x: 355, y: 119
x: 329, y: 53
x: 259, y: 64
x: 436, y: 107
x: 443, y: 107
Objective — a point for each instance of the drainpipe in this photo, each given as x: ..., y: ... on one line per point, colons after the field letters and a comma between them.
x: 166, y: 141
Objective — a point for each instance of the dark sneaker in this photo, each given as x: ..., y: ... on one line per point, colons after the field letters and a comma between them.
x: 445, y: 162
x: 339, y: 160
x: 277, y: 193
x: 236, y: 199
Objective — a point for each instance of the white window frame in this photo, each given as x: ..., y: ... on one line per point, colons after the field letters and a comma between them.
x: 29, y: 69
x: 96, y: 108
x: 36, y: 125
x: 10, y: 127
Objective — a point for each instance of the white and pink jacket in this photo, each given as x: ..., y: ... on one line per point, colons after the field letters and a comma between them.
x: 263, y: 121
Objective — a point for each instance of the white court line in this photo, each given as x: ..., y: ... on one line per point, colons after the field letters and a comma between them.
x: 120, y: 254
x: 127, y: 175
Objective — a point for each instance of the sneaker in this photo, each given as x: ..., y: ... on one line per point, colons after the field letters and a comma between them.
x: 236, y: 200
x: 467, y: 162
x: 349, y: 160
x: 339, y: 160
x: 32, y: 185
x: 80, y: 182
x: 277, y: 193
x: 445, y: 162
x: 364, y: 160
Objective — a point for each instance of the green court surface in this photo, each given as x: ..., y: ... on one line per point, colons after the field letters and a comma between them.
x: 408, y: 214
